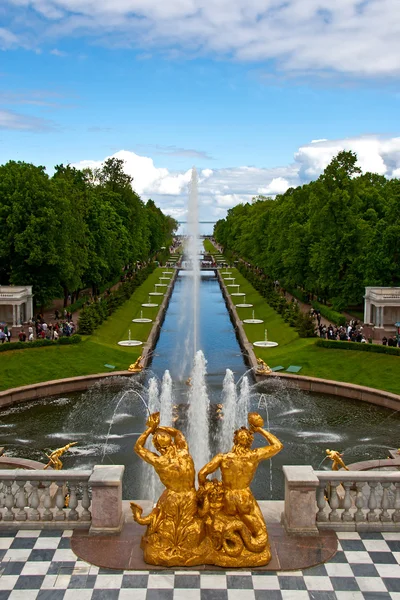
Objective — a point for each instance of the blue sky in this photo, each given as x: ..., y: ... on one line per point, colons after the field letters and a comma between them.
x: 241, y: 89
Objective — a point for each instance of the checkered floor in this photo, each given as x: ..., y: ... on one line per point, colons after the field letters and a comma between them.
x: 42, y: 566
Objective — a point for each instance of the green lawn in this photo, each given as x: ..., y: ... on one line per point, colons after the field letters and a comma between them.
x: 362, y: 368
x: 23, y: 367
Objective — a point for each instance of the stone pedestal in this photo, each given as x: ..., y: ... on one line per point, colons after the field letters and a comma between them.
x: 106, y: 484
x: 299, y: 516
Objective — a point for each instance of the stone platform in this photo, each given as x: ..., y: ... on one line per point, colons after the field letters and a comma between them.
x: 123, y: 551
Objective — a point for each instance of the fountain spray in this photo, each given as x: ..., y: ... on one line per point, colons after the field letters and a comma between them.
x: 229, y: 400
x: 198, y: 416
x: 193, y: 247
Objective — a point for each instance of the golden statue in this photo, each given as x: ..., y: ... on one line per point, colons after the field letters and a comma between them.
x: 337, y: 461
x: 54, y: 458
x: 262, y: 368
x: 136, y: 367
x: 173, y: 528
x: 220, y: 524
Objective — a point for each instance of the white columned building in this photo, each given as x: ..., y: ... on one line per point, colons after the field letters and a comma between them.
x: 382, y: 307
x: 16, y: 304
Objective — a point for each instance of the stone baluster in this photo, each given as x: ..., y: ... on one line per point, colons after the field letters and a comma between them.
x: 359, y: 514
x: 385, y: 515
x: 9, y: 502
x: 73, y: 503
x: 60, y: 501
x: 34, y: 502
x: 321, y: 503
x: 85, y: 503
x: 106, y: 484
x: 301, y: 484
x: 47, y: 514
x: 396, y: 514
x: 347, y: 516
x: 372, y: 503
x: 333, y: 502
x: 21, y: 501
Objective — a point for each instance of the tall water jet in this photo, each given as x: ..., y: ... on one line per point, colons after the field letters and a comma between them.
x: 149, y: 481
x: 198, y: 413
x: 166, y: 400
x: 229, y: 401
x: 193, y: 251
x: 243, y: 405
x: 153, y: 394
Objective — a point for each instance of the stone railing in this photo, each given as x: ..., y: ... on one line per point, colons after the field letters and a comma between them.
x: 340, y: 500
x: 70, y: 499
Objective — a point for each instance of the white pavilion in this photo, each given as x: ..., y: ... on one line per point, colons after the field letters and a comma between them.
x: 16, y: 305
x: 382, y: 307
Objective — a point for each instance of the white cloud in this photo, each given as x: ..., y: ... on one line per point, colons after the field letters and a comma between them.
x: 148, y: 179
x: 346, y: 36
x: 8, y: 39
x: 278, y: 185
x: 15, y: 121
x: 221, y: 189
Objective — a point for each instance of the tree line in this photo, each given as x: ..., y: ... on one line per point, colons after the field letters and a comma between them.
x: 331, y: 237
x: 75, y: 229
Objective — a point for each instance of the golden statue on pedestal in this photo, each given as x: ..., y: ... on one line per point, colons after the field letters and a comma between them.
x: 337, y: 461
x: 262, y: 368
x: 54, y: 458
x: 136, y: 367
x: 220, y: 523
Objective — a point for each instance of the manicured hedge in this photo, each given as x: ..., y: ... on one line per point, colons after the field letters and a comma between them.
x: 357, y: 346
x: 62, y: 341
x: 328, y: 313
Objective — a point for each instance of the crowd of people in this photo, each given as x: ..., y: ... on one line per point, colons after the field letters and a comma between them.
x: 38, y: 329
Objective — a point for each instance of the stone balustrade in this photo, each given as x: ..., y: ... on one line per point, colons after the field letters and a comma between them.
x: 340, y: 500
x: 66, y: 499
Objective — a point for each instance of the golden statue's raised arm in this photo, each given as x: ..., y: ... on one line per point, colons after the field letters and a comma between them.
x: 210, y: 467
x: 152, y: 424
x: 256, y: 423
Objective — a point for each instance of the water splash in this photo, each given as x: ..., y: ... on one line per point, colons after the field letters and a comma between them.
x: 229, y: 400
x: 243, y: 405
x: 198, y: 414
x: 193, y: 243
x: 166, y: 400
x: 149, y: 477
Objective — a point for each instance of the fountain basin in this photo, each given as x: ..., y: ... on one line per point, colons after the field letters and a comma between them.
x: 130, y: 343
x: 253, y: 321
x: 265, y: 344
x: 150, y: 305
x: 242, y: 305
x: 141, y: 320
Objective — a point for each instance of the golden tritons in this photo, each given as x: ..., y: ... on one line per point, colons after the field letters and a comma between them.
x: 221, y: 522
x: 54, y: 458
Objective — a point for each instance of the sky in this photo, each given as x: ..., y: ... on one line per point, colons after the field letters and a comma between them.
x: 259, y: 95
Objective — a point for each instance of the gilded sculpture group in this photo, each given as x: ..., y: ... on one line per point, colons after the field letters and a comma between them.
x: 220, y: 523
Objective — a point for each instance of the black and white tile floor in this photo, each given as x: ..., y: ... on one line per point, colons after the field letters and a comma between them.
x: 42, y: 566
